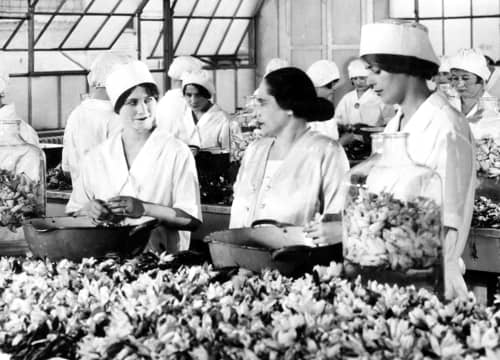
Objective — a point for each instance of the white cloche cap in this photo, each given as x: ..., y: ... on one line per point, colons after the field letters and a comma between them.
x: 471, y: 60
x: 275, y: 64
x: 357, y: 68
x: 182, y: 65
x: 127, y: 76
x: 323, y: 72
x: 102, y: 66
x: 201, y: 78
x: 395, y: 37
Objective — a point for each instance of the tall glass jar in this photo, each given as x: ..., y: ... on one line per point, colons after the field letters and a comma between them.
x: 22, y: 186
x: 392, y: 219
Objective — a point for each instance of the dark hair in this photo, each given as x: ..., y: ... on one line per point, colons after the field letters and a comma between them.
x: 331, y: 83
x: 294, y: 90
x: 489, y: 60
x: 401, y: 64
x: 151, y: 90
x: 201, y: 90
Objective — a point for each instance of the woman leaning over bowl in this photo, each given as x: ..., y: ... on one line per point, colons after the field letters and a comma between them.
x: 140, y: 173
x: 291, y: 173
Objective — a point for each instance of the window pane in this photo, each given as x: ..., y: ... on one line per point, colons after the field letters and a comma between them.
x: 128, y: 6
x: 178, y: 25
x: 227, y: 7
x: 7, y: 27
x: 48, y: 5
x: 248, y: 8
x: 17, y: 62
x: 214, y: 36
x: 83, y: 32
x: 435, y: 28
x: 457, y: 7
x: 103, y: 6
x: 153, y: 9
x: 73, y: 6
x: 184, y: 7
x: 56, y: 32
x: 456, y: 35
x: 486, y: 36
x: 20, y: 40
x: 191, y: 36
x: 401, y: 9
x: 485, y: 7
x: 233, y: 37
x: 206, y: 8
x: 110, y: 31
x: 150, y: 31
x: 430, y: 8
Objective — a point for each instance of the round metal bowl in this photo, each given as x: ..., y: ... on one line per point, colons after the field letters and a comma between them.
x: 74, y: 238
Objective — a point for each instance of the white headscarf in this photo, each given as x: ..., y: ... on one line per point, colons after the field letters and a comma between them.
x: 275, y: 64
x: 357, y: 68
x: 102, y: 66
x: 323, y: 72
x: 471, y: 60
x: 126, y: 76
x: 201, y: 78
x: 396, y: 37
x: 182, y: 65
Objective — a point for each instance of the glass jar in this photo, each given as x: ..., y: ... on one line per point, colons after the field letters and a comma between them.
x: 22, y: 186
x: 392, y: 218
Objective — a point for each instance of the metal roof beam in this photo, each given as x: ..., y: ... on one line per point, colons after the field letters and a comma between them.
x: 185, y: 26
x: 12, y: 35
x: 207, y: 27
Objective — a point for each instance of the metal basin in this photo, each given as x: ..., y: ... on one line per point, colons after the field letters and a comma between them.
x: 74, y: 238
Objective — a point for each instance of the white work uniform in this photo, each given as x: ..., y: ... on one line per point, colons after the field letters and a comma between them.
x: 305, y: 183
x: 88, y: 125
x: 457, y: 104
x: 328, y: 128
x: 211, y: 131
x: 170, y: 110
x: 163, y: 172
x: 367, y: 109
x: 440, y: 138
x: 28, y: 134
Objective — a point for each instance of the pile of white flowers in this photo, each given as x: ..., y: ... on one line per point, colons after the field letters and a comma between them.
x: 111, y: 310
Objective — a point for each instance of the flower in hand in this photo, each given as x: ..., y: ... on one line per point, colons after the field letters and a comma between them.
x: 126, y: 206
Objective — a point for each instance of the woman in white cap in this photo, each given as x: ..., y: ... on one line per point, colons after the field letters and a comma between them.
x: 140, y: 173
x: 204, y: 124
x: 361, y: 105
x: 401, y: 59
x: 172, y: 105
x: 8, y: 111
x: 469, y: 73
x: 291, y: 173
x: 325, y: 75
x: 93, y: 120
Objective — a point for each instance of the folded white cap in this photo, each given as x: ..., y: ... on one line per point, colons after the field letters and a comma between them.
x: 102, y: 65
x: 182, y: 65
x: 127, y: 76
x: 357, y: 68
x: 395, y: 37
x: 323, y: 72
x: 4, y: 74
x: 444, y: 67
x: 471, y: 60
x: 201, y: 78
x: 275, y: 64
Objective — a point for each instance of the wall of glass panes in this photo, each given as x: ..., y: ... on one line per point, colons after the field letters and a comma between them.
x: 455, y: 24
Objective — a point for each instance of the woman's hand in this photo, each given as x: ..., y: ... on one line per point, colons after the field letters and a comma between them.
x: 324, y: 232
x: 96, y: 209
x: 126, y: 206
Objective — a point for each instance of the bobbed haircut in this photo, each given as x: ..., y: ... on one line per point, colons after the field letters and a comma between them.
x: 294, y: 90
x: 401, y: 64
x: 201, y: 90
x: 151, y: 90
